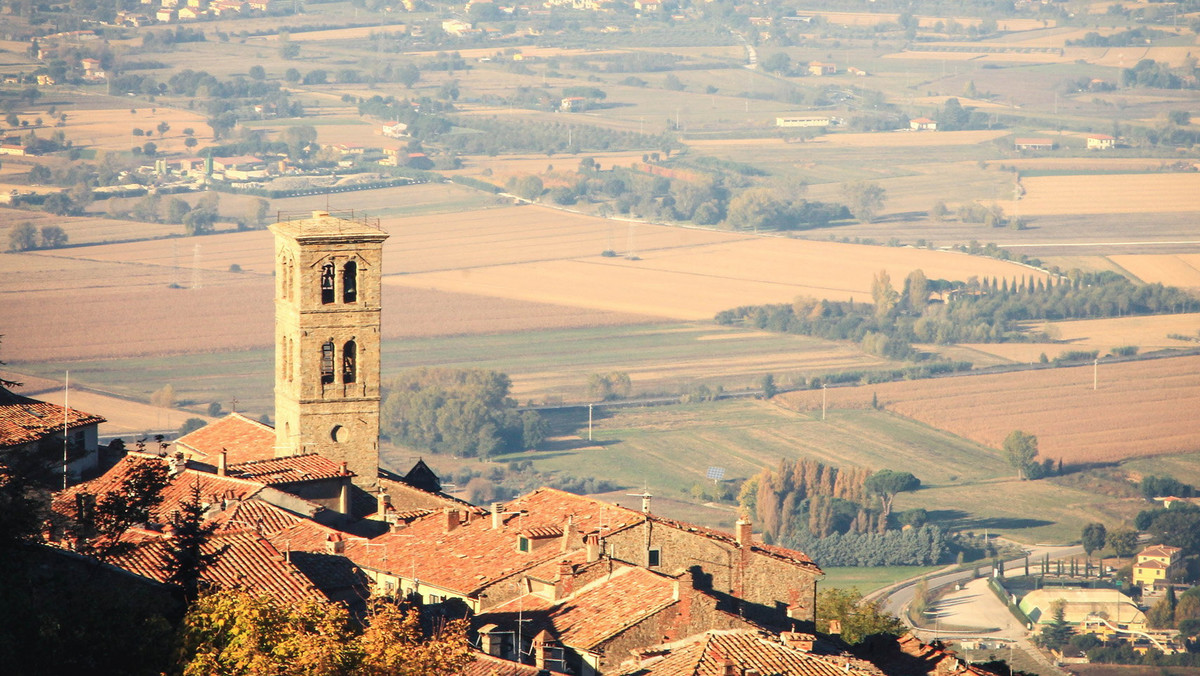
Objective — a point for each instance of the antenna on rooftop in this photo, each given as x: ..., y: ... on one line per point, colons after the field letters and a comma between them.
x: 645, y: 496
x: 66, y: 436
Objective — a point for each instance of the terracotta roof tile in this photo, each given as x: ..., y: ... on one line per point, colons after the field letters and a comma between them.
x: 487, y: 665
x: 709, y: 654
x: 24, y: 420
x: 246, y: 561
x: 1160, y: 550
x: 245, y: 440
x: 256, y: 515
x: 595, y: 613
x: 482, y: 555
x: 288, y: 470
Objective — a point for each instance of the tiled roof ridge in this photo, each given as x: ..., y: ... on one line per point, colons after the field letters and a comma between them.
x: 277, y: 459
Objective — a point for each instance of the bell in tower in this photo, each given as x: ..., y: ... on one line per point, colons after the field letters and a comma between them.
x: 327, y: 342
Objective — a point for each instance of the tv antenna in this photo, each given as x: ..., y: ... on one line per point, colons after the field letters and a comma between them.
x: 645, y: 496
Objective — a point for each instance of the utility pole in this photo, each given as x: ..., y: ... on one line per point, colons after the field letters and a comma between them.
x: 1095, y: 373
x: 589, y: 422
x: 823, y: 401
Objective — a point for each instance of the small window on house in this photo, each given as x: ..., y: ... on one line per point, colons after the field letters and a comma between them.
x: 349, y: 358
x: 522, y: 544
x: 327, y: 284
x: 654, y: 558
x: 350, y: 283
x: 327, y: 362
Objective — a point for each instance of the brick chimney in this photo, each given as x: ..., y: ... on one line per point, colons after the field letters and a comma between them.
x: 797, y: 641
x: 744, y: 533
x: 497, y: 516
x: 381, y: 503
x: 564, y: 584
x: 568, y: 530
x: 334, y: 544
x: 593, y: 548
x: 490, y: 640
x: 451, y: 517
x: 542, y: 648
x: 223, y: 463
x: 835, y: 627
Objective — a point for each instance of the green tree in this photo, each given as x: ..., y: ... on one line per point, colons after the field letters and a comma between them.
x: 887, y: 483
x: 408, y: 75
x: 527, y: 187
x: 882, y: 293
x: 257, y: 72
x: 98, y: 522
x: 291, y: 75
x: 177, y: 209
x: 187, y: 558
x: 1020, y: 449
x: 22, y: 237
x: 1094, y: 537
x: 614, y: 385
x: 939, y: 212
x: 59, y: 204
x: 191, y: 425
x: 163, y: 128
x: 779, y: 62
x: 1056, y: 633
x: 53, y: 237
x: 1123, y: 541
x: 1162, y: 614
x: 916, y: 291
x: 767, y: 384
x: 753, y: 209
x: 864, y: 199
x: 858, y: 618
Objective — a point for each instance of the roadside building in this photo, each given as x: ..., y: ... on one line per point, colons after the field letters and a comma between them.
x: 1080, y: 604
x: 803, y: 121
x: 1155, y: 564
x: 1101, y: 142
x: 922, y: 124
x: 1033, y: 143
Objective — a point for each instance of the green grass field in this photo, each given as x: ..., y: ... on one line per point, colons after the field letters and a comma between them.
x: 553, y: 363
x: 867, y: 580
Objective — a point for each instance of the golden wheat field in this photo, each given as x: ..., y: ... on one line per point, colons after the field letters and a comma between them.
x: 112, y: 128
x: 1169, y: 269
x: 910, y: 139
x: 1139, y: 409
x: 1107, y: 194
x: 1148, y: 333
x: 696, y: 281
x: 83, y: 229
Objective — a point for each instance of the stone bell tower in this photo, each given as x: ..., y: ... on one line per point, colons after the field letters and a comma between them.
x: 327, y: 271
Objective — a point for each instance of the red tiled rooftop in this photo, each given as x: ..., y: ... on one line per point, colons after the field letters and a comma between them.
x: 487, y: 665
x: 474, y: 555
x: 287, y: 470
x: 256, y: 515
x: 243, y: 439
x: 599, y: 611
x: 1160, y: 550
x: 24, y: 420
x: 246, y: 561
x: 709, y: 654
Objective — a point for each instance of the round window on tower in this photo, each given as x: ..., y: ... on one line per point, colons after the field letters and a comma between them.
x: 339, y: 433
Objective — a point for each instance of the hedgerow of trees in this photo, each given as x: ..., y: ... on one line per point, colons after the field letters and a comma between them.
x: 984, y: 311
x: 841, y: 516
x: 464, y: 412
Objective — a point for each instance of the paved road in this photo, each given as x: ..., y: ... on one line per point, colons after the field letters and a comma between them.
x: 969, y: 614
